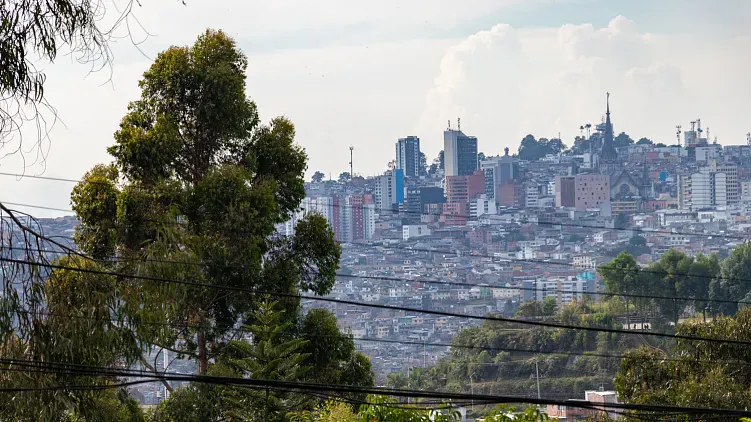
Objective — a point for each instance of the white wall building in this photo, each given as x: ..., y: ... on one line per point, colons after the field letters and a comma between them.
x: 415, y: 230
x: 482, y: 205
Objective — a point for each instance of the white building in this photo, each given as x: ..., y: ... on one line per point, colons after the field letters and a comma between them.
x: 415, y: 230
x: 482, y: 205
x: 532, y: 196
x: 389, y: 189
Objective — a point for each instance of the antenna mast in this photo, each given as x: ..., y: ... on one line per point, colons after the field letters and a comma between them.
x: 351, y: 169
x: 678, y: 134
x: 458, y: 123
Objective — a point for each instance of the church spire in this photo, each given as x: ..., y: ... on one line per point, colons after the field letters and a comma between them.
x: 607, y: 102
x: 608, y: 147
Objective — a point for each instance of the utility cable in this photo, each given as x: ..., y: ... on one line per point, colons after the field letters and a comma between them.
x: 378, y: 306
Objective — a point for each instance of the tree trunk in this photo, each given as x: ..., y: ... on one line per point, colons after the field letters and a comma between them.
x: 153, y: 369
x: 203, y: 357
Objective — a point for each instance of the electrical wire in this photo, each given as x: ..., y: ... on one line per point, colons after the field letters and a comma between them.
x: 318, y: 387
x: 378, y: 306
x: 462, y: 216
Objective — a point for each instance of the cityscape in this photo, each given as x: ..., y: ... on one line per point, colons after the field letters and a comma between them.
x: 375, y: 212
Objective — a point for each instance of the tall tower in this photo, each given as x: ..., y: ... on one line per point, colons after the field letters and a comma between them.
x: 609, y: 163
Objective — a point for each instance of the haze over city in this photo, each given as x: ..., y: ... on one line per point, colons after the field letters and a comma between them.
x: 364, y: 74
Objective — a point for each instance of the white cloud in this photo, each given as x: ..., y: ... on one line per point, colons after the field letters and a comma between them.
x: 503, y: 82
x: 547, y: 81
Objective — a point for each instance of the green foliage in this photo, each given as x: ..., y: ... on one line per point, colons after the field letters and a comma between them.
x: 473, y: 366
x: 576, y: 238
x: 423, y: 165
x: 196, y: 402
x: 40, y: 28
x: 269, y: 357
x: 621, y: 221
x: 504, y: 413
x: 194, y: 193
x: 109, y: 405
x: 637, y: 245
x: 331, y: 355
x: 329, y: 411
x: 537, y: 309
x: 377, y: 409
x: 621, y: 275
x: 532, y: 149
x: 644, y: 141
x: 77, y: 327
x: 317, y: 177
x: 733, y: 281
x: 203, y: 184
x: 674, y: 275
x: 720, y: 378
x: 622, y: 140
x: 385, y: 409
x: 344, y: 177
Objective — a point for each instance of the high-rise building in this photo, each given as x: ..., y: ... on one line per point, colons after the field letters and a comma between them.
x: 360, y: 210
x: 732, y: 180
x: 565, y: 191
x: 591, y: 190
x: 583, y: 191
x: 419, y: 197
x: 460, y: 190
x: 709, y: 187
x: 408, y: 156
x: 389, y: 190
x: 459, y: 153
x: 482, y: 205
x: 499, y: 170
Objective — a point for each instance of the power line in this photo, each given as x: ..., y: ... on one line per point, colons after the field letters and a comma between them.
x: 543, y: 223
x: 565, y: 264
x: 462, y: 216
x: 541, y: 262
x: 465, y: 284
x: 403, y: 342
x: 378, y: 306
x: 317, y: 387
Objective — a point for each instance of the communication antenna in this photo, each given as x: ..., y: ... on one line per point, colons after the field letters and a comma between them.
x: 351, y: 168
x: 678, y: 134
x: 693, y: 125
x: 748, y: 138
x: 449, y: 124
x: 458, y: 123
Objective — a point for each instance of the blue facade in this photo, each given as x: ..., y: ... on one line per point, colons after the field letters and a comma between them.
x: 399, y: 185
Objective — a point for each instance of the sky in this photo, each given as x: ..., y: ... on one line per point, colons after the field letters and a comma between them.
x: 364, y: 73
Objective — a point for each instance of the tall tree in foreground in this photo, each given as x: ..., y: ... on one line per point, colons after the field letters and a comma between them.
x: 194, y: 194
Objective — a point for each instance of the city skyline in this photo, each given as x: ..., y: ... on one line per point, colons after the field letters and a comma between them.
x: 505, y: 68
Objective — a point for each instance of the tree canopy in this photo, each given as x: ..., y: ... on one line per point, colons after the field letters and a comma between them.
x: 532, y: 149
x: 182, y: 219
x: 694, y: 373
x: 622, y: 140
